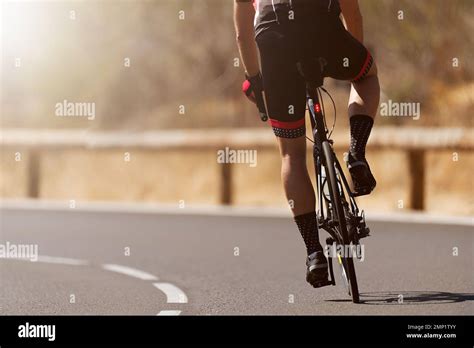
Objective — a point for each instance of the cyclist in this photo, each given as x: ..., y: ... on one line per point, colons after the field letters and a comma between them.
x: 287, y: 32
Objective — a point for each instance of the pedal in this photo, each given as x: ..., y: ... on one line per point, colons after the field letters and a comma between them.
x: 320, y: 221
x: 364, y: 232
x: 330, y: 275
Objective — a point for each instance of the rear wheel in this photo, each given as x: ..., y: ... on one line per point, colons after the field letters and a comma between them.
x: 338, y: 214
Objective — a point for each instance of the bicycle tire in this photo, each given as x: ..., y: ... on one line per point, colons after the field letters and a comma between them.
x: 339, y: 213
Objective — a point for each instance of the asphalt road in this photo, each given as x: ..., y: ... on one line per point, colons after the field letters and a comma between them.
x: 193, y: 267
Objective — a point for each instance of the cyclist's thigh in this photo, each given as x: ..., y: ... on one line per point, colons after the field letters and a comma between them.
x: 347, y: 58
x: 285, y: 92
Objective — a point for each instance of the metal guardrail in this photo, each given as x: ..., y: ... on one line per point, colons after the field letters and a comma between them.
x: 414, y: 141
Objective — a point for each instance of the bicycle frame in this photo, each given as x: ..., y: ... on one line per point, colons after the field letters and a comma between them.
x: 320, y: 135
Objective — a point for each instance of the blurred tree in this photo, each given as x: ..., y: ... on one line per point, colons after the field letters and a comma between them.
x: 190, y: 61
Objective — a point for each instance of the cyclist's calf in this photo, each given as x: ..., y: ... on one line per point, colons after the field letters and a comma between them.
x: 294, y: 174
x: 372, y: 72
x: 365, y: 94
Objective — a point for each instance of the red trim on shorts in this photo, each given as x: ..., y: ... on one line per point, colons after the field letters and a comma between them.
x: 287, y: 125
x: 362, y: 71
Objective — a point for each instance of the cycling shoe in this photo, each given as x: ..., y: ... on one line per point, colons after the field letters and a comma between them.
x: 316, y: 269
x: 362, y: 178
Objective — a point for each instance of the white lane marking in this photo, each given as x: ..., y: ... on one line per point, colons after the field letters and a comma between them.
x: 169, y: 312
x: 53, y: 259
x: 132, y: 272
x: 61, y: 260
x: 172, y: 292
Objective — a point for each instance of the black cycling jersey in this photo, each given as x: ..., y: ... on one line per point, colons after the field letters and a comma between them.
x: 270, y: 11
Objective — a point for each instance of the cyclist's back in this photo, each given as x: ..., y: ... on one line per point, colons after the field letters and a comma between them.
x: 272, y: 11
x: 298, y: 31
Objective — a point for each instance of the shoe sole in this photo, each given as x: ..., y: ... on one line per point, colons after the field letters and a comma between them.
x: 317, y: 276
x: 363, y: 172
x: 364, y: 191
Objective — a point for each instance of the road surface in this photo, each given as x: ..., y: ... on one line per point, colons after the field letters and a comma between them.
x: 95, y: 261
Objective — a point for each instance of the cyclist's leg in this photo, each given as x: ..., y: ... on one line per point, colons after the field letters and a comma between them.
x: 365, y: 94
x: 349, y: 60
x: 285, y: 96
x: 294, y: 175
x: 363, y: 104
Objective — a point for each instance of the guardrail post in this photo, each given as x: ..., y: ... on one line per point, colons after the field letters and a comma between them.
x: 226, y: 184
x: 33, y: 174
x: 416, y: 165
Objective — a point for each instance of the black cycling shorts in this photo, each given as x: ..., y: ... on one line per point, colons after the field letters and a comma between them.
x: 311, y: 35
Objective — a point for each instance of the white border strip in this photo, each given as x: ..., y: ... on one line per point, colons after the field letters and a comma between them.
x: 236, y: 211
x: 421, y: 218
x: 172, y: 292
x: 132, y: 272
x: 143, y: 208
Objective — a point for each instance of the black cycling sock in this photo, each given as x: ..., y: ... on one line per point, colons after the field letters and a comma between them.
x: 361, y: 126
x: 309, y: 231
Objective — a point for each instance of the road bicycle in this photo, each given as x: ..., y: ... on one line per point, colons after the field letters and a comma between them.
x: 337, y: 210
